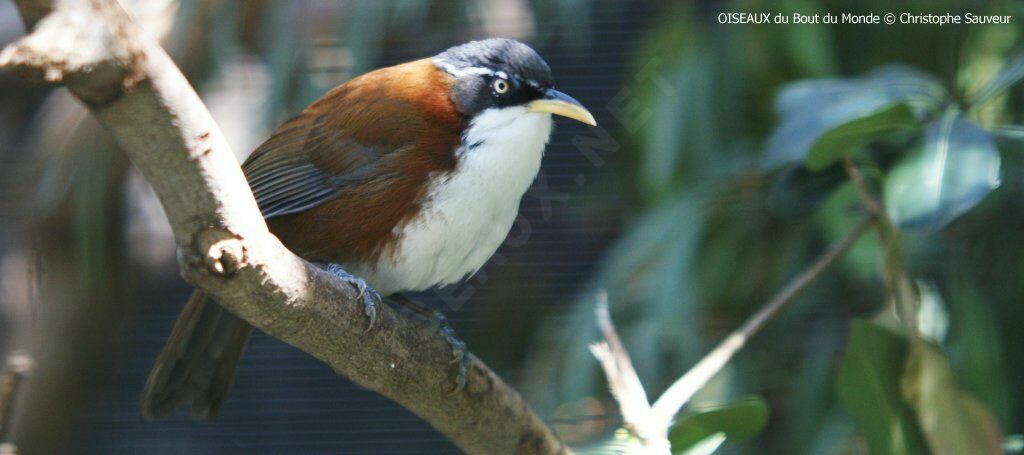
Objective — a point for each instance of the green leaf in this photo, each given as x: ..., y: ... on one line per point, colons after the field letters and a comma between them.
x: 868, y: 388
x: 952, y: 421
x: 976, y: 349
x: 739, y: 421
x: 858, y: 107
x: 850, y: 136
x: 955, y: 167
x: 1011, y: 73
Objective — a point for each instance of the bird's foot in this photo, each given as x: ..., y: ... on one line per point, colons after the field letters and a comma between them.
x: 369, y: 296
x: 460, y: 355
x: 436, y: 319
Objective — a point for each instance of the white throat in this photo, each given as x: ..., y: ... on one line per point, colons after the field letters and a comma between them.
x: 468, y: 213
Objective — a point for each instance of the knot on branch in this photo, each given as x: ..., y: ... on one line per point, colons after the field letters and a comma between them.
x: 20, y: 362
x: 70, y: 42
x: 221, y: 251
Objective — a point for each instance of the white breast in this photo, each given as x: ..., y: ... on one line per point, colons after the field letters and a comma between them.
x: 468, y: 213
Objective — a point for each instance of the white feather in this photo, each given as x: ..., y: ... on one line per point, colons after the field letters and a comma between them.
x: 468, y: 213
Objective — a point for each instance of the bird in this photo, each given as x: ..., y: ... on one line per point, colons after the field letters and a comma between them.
x: 403, y: 179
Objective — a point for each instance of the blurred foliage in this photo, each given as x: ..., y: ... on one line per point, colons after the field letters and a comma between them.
x: 735, y: 422
x: 868, y: 387
x: 739, y: 177
x: 954, y: 168
x: 825, y: 119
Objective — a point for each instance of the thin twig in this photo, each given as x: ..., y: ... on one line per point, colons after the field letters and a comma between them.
x: 870, y: 203
x: 899, y: 288
x: 618, y: 368
x: 19, y: 364
x: 873, y: 206
x: 680, y: 392
x: 883, y: 229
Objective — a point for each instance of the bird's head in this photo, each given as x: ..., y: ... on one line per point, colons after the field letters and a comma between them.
x: 502, y: 80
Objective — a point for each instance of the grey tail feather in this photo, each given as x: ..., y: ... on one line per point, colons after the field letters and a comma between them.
x: 198, y: 361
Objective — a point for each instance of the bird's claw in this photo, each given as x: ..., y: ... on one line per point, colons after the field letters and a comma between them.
x: 370, y: 299
x: 368, y: 295
x: 460, y: 356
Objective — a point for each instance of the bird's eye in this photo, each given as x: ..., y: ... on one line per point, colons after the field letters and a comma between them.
x: 500, y: 86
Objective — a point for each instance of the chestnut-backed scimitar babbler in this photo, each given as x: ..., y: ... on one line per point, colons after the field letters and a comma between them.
x: 407, y: 177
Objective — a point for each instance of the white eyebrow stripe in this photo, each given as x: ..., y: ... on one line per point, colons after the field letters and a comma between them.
x: 457, y: 72
x: 449, y: 68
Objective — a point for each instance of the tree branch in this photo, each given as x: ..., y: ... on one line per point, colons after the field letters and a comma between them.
x: 134, y: 89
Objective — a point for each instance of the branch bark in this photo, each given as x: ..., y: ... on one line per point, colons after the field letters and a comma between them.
x: 134, y: 89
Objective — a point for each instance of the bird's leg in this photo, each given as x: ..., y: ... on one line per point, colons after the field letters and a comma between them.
x: 369, y: 296
x: 436, y: 319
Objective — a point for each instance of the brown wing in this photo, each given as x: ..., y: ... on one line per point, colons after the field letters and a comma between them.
x: 285, y: 178
x: 335, y: 181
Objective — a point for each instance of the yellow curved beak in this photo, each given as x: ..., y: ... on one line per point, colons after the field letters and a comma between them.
x: 558, y: 103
